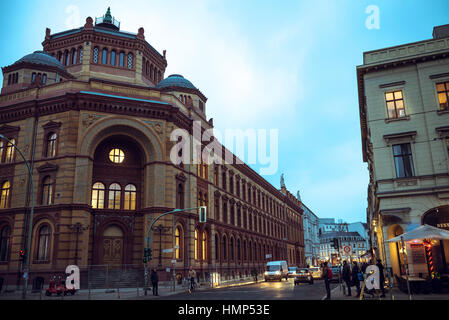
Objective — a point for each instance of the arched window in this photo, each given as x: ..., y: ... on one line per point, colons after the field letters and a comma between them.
x: 1, y: 150
x: 60, y: 56
x: 51, y: 145
x: 66, y: 58
x: 225, y: 248
x: 47, y: 191
x: 239, y: 256
x: 204, y: 245
x: 114, y: 196
x: 113, y: 56
x: 178, y: 241
x: 44, y: 78
x: 122, y: 59
x: 33, y: 77
x: 95, y: 55
x: 217, y: 248
x: 151, y: 71
x: 98, y: 190
x: 147, y: 68
x: 180, y: 196
x: 4, y: 243
x: 104, y: 56
x: 9, y: 78
x: 130, y: 60
x: 231, y: 249
x: 73, y: 56
x: 5, y: 192
x: 43, y: 244
x: 196, y: 244
x: 130, y: 197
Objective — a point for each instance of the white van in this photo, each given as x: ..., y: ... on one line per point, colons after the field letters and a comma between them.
x: 276, y: 270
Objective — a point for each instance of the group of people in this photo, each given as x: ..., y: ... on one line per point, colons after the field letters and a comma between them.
x: 352, y: 276
x: 155, y: 280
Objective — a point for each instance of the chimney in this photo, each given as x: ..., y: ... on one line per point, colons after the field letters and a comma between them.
x: 440, y: 32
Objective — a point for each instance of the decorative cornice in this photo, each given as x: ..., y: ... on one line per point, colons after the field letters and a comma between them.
x: 48, y: 167
x: 395, y: 136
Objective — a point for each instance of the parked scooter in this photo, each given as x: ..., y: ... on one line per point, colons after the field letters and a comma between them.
x: 56, y: 286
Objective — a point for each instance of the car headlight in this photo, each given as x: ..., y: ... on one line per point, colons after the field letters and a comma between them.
x: 266, y: 273
x: 277, y: 272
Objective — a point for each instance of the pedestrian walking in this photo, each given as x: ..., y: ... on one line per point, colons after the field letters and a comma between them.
x: 381, y: 277
x: 346, y: 276
x: 154, y: 281
x: 327, y: 275
x: 355, y: 277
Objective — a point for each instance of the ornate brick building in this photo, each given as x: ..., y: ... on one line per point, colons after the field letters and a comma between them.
x: 93, y: 114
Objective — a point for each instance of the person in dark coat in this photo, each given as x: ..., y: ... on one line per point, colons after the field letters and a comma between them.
x: 326, y: 280
x: 381, y: 277
x: 346, y: 276
x: 355, y: 276
x: 154, y: 281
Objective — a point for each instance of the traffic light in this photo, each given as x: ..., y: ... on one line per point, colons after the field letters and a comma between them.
x: 147, y: 254
x: 202, y: 214
x: 22, y: 255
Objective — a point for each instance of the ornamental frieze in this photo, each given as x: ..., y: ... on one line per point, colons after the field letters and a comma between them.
x: 89, y: 118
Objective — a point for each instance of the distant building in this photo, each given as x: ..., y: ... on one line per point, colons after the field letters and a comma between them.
x: 352, y: 247
x: 329, y: 225
x: 311, y: 236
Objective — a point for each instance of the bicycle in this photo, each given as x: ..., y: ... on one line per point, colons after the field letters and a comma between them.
x: 192, y: 286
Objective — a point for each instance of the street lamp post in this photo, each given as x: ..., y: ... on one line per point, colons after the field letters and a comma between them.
x: 78, y: 227
x: 29, y: 231
x: 160, y: 228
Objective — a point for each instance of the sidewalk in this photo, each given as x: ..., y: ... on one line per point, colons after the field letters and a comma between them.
x: 396, y: 294
x: 164, y: 290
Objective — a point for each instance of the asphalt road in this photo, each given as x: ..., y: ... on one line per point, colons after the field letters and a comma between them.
x: 272, y: 290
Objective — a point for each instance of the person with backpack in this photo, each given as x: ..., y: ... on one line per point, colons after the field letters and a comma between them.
x: 327, y: 276
x: 356, y: 277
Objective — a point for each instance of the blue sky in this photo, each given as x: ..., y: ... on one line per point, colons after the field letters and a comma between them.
x: 291, y: 66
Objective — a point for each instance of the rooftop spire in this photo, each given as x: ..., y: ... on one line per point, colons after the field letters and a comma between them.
x: 108, y: 16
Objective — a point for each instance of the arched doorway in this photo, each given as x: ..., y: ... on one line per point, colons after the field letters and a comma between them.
x: 113, y: 245
x: 439, y: 217
x: 396, y: 254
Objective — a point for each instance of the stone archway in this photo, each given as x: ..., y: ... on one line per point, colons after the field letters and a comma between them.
x: 396, y: 256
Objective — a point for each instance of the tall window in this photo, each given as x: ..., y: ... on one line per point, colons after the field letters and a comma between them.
x: 73, y: 56
x: 403, y: 160
x: 217, y: 248
x: 447, y: 145
x: 223, y: 180
x: 395, y: 104
x: 43, y: 248
x: 225, y: 248
x: 47, y: 191
x: 130, y: 60
x: 231, y: 184
x: 113, y: 55
x: 443, y: 95
x: 196, y: 244
x: 178, y: 236
x: 104, y: 56
x: 204, y: 246
x: 121, y: 59
x: 44, y: 78
x: 51, y: 145
x: 180, y: 196
x: 66, y: 59
x: 130, y: 197
x: 33, y: 77
x: 4, y: 243
x: 231, y: 249
x: 225, y: 212
x: 5, y: 192
x: 216, y: 175
x: 80, y: 54
x: 114, y: 196
x: 96, y: 54
x: 98, y: 190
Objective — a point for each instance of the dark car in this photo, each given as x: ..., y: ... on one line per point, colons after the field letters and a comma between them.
x: 336, y: 274
x: 303, y: 275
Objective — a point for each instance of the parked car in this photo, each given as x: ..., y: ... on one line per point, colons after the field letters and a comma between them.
x: 292, y: 272
x: 336, y: 273
x: 303, y: 275
x: 276, y: 270
x: 317, y: 273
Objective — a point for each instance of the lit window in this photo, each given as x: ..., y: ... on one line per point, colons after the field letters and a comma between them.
x: 116, y: 155
x: 5, y: 191
x: 196, y: 244
x: 43, y: 248
x: 130, y: 197
x: 443, y: 95
x: 403, y: 160
x: 395, y: 104
x: 114, y: 196
x: 51, y: 145
x: 1, y: 150
x: 47, y: 191
x: 178, y: 243
x: 10, y: 151
x: 98, y: 195
x: 204, y: 245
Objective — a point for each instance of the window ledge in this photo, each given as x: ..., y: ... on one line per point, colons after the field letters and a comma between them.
x: 445, y: 111
x: 397, y: 119
x: 41, y: 261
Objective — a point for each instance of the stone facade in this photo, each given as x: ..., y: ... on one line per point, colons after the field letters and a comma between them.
x: 99, y: 108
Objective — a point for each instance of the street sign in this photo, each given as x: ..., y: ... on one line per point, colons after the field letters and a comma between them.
x: 173, y: 261
x: 268, y: 256
x: 347, y: 249
x: 167, y: 250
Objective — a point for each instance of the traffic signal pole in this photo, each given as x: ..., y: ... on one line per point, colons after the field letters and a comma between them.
x: 149, y: 238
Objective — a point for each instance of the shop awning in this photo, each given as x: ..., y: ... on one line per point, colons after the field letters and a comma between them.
x: 423, y: 232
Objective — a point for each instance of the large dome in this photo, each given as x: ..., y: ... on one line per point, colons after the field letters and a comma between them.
x: 175, y: 80
x: 43, y: 58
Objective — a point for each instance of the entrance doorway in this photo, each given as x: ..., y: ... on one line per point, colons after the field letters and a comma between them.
x: 113, y: 246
